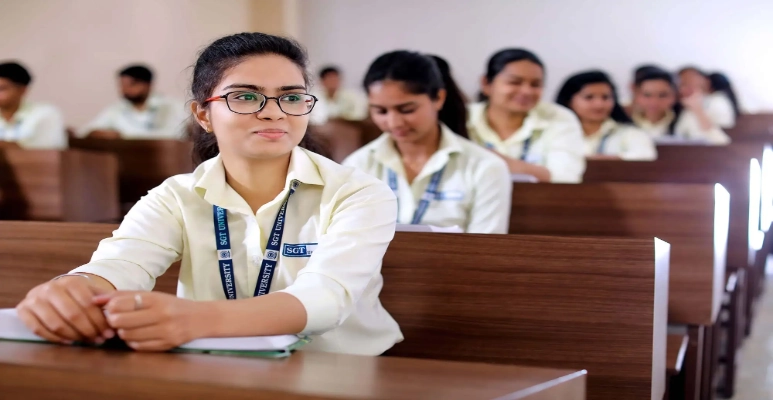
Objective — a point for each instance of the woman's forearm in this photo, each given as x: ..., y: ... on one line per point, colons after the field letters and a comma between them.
x: 704, y: 121
x: 273, y: 314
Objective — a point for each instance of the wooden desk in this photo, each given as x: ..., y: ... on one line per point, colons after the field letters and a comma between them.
x: 39, y: 371
x: 593, y: 303
x: 752, y: 126
x: 143, y: 164
x: 689, y: 216
x: 676, y: 347
x: 58, y: 185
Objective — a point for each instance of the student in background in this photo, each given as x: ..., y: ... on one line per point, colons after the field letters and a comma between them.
x: 439, y: 177
x: 695, y: 86
x: 339, y: 102
x: 273, y: 238
x: 534, y: 138
x: 609, y: 132
x: 658, y: 111
x: 637, y: 72
x: 720, y: 84
x: 23, y: 123
x: 140, y: 114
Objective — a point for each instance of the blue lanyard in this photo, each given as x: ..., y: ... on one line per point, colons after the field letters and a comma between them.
x: 524, y: 151
x: 429, y: 194
x: 603, y: 143
x: 267, y: 267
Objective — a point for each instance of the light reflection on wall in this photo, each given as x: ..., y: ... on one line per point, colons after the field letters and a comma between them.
x: 756, y: 237
x: 766, y: 189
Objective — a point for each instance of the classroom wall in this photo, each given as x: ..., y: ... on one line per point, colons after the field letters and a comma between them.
x: 75, y: 47
x: 733, y: 36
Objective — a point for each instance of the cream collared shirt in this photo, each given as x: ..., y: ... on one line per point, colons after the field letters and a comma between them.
x: 346, y: 104
x: 474, y: 192
x: 551, y: 134
x: 36, y: 127
x: 344, y: 217
x: 623, y: 140
x: 720, y: 109
x: 162, y: 118
x: 687, y: 128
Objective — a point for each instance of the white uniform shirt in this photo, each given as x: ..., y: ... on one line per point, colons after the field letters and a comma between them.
x: 344, y: 217
x: 35, y: 127
x: 162, y: 118
x: 720, y: 109
x: 474, y: 192
x: 346, y: 104
x: 623, y: 140
x: 687, y: 128
x: 551, y: 135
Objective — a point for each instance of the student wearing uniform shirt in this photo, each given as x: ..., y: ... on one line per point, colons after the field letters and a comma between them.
x: 273, y: 238
x: 140, y: 114
x: 534, y: 138
x: 659, y: 114
x: 340, y: 103
x: 720, y: 85
x: 609, y: 131
x: 695, y: 83
x: 23, y: 123
x: 440, y: 178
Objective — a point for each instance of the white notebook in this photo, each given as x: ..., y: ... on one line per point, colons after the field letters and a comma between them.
x: 523, y: 178
x: 12, y: 328
x: 428, y: 228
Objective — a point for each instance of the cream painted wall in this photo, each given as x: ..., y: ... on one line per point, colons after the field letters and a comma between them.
x: 569, y: 35
x: 75, y: 47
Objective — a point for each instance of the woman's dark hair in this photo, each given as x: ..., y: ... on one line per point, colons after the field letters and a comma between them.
x: 665, y: 76
x: 500, y: 59
x: 421, y: 74
x: 720, y: 83
x: 574, y: 85
x: 225, y: 53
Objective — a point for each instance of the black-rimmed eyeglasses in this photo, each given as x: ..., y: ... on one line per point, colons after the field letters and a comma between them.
x: 295, y: 104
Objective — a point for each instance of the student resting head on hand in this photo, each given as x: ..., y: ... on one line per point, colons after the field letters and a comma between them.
x: 440, y: 178
x: 272, y: 238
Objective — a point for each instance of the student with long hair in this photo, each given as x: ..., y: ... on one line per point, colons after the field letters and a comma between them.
x: 535, y: 138
x: 609, y: 132
x: 272, y: 238
x: 439, y: 177
x: 722, y: 88
x: 695, y: 86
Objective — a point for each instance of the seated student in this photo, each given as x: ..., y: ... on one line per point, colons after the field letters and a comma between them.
x: 695, y: 85
x: 609, y: 132
x: 140, y: 115
x: 340, y: 103
x: 23, y: 123
x: 659, y: 114
x: 720, y: 85
x: 535, y: 138
x: 637, y: 72
x: 439, y: 177
x: 273, y: 239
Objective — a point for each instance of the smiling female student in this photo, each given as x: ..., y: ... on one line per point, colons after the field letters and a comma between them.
x: 274, y: 239
x: 609, y: 132
x: 534, y: 138
x: 439, y: 177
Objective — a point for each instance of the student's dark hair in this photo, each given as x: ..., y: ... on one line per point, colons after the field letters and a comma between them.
x: 420, y: 74
x: 15, y: 73
x: 721, y: 83
x: 499, y: 60
x: 138, y: 72
x: 330, y: 69
x: 223, y: 54
x: 665, y: 76
x: 575, y: 83
x: 645, y: 68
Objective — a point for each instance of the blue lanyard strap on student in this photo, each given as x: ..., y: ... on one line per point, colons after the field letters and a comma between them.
x: 270, y: 258
x: 429, y: 194
x: 526, y: 147
x: 603, y: 143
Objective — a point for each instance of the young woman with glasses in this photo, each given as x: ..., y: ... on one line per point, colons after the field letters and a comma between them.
x: 272, y: 238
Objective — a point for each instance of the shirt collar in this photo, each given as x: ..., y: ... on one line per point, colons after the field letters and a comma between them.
x: 23, y: 112
x: 210, y: 181
x: 639, y: 119
x: 385, y: 152
x: 153, y: 102
x: 535, y: 120
x: 607, y: 127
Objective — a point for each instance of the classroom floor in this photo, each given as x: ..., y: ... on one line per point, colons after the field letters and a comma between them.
x: 755, y: 372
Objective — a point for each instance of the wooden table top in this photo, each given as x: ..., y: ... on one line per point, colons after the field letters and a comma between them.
x: 38, y: 371
x: 676, y: 346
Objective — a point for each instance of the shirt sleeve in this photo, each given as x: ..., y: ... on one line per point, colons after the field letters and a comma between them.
x: 347, y: 258
x: 721, y: 111
x: 105, y: 120
x: 490, y: 211
x: 148, y: 241
x: 47, y: 133
x: 638, y: 146
x: 564, y: 153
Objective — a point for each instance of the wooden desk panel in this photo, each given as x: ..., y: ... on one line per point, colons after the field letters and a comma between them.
x: 143, y: 164
x: 58, y: 185
x: 752, y: 126
x: 39, y: 371
x: 676, y: 347
x: 530, y: 300
x: 682, y: 215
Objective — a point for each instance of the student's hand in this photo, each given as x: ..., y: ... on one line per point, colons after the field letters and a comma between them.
x: 693, y: 102
x: 104, y: 134
x: 62, y: 311
x: 152, y: 321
